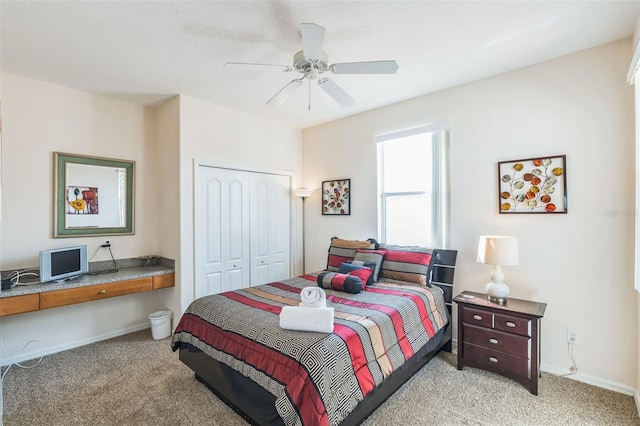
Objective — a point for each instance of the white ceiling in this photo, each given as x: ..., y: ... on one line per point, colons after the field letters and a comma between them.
x: 147, y: 51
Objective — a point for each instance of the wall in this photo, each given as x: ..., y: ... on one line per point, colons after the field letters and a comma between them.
x: 38, y: 119
x: 581, y: 263
x: 167, y: 161
x: 634, y: 67
x: 211, y: 134
x: 41, y: 118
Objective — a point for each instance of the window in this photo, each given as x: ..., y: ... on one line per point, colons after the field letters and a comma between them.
x: 413, y: 187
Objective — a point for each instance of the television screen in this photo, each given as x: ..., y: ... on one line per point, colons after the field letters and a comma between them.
x: 63, y: 262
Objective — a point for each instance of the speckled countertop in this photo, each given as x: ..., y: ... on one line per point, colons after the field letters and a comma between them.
x: 123, y: 274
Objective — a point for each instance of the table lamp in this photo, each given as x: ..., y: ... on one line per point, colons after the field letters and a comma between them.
x: 497, y: 251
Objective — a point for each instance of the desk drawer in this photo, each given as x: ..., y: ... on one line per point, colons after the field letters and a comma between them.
x: 19, y: 304
x: 496, y: 361
x: 477, y: 317
x: 497, y: 340
x: 52, y: 299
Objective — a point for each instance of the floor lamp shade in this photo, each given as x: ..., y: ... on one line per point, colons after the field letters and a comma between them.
x: 497, y: 251
x: 303, y: 192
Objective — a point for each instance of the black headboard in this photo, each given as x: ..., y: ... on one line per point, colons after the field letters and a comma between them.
x: 441, y: 271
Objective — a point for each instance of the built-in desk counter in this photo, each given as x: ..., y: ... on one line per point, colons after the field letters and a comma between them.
x: 34, y: 297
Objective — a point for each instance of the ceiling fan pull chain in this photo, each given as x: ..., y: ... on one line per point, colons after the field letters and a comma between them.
x: 309, y: 95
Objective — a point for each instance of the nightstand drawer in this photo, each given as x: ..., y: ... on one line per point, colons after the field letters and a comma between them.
x: 496, y: 361
x: 477, y: 317
x: 497, y: 340
x: 512, y: 324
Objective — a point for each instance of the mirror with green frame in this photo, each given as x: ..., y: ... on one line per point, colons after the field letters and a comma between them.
x: 93, y: 196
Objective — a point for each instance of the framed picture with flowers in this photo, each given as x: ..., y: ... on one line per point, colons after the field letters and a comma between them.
x: 336, y: 197
x: 533, y: 185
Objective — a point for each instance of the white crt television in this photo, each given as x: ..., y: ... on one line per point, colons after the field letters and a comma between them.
x: 63, y: 263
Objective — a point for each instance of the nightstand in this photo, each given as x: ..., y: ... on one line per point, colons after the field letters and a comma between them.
x: 503, y: 339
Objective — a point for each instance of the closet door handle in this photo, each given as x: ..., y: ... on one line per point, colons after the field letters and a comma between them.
x: 477, y: 317
x: 494, y: 341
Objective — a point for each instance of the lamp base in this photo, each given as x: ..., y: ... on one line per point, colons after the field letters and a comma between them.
x: 497, y: 292
x: 498, y: 300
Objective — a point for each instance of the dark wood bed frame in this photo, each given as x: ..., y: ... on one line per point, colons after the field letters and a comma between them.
x: 242, y: 398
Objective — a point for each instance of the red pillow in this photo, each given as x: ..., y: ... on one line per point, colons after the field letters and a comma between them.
x: 363, y: 274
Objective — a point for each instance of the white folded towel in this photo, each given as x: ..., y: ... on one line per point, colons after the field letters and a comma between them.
x: 307, y: 319
x: 313, y: 297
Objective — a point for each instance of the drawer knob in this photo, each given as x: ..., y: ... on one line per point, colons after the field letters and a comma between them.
x: 493, y: 360
x: 494, y: 341
x: 477, y: 317
x: 511, y: 324
x: 103, y: 291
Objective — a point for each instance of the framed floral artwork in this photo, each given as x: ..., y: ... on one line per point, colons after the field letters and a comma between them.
x: 336, y: 197
x: 533, y: 185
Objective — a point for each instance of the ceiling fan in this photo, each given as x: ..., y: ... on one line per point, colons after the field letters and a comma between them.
x: 312, y: 62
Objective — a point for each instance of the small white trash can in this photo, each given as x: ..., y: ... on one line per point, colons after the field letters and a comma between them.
x: 161, y: 324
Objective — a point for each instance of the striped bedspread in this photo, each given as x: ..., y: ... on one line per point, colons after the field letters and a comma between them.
x: 316, y: 378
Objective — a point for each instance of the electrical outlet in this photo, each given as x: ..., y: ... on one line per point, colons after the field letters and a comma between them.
x: 572, y: 337
x: 106, y: 244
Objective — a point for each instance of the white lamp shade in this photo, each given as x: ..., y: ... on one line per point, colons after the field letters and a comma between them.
x: 303, y: 192
x: 498, y: 250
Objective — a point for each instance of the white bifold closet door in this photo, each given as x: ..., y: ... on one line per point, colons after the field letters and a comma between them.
x: 270, y: 227
x: 242, y: 229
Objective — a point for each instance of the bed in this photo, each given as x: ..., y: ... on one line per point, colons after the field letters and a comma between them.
x: 382, y: 336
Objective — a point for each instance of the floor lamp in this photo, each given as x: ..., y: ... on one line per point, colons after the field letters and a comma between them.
x: 304, y: 194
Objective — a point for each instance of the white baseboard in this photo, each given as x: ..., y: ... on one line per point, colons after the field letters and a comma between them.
x: 590, y: 380
x: 34, y: 354
x: 584, y: 378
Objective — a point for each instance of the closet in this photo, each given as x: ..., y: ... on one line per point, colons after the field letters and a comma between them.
x: 242, y: 229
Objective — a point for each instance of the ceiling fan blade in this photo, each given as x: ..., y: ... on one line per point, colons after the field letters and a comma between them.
x: 252, y: 67
x: 336, y: 92
x: 285, y: 92
x: 312, y: 40
x: 373, y: 67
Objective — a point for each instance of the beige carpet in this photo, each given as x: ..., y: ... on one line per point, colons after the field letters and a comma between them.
x: 134, y: 380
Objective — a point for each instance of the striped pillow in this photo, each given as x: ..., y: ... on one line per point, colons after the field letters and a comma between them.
x: 375, y: 256
x: 406, y: 263
x: 345, y: 250
x: 340, y: 282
